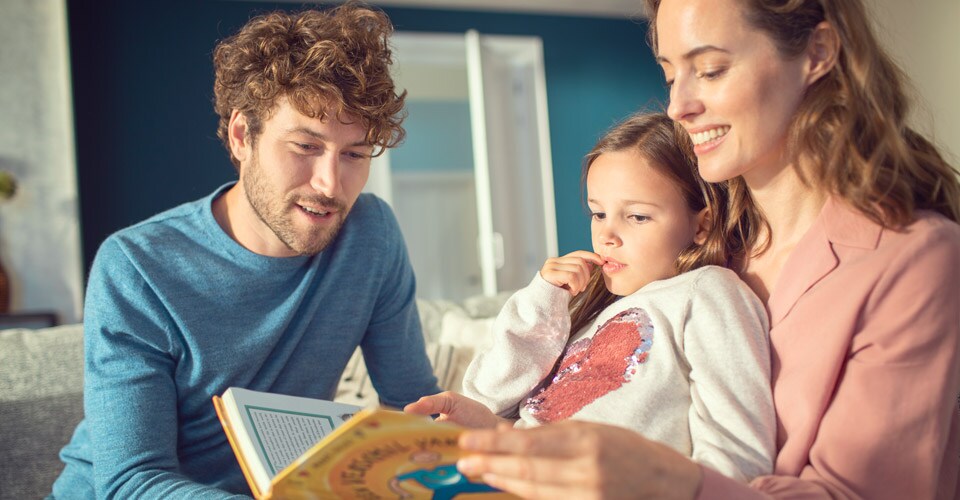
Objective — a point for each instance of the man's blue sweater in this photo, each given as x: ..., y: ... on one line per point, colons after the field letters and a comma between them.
x: 176, y: 312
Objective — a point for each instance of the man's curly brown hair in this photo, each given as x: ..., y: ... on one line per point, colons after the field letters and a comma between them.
x: 326, y: 63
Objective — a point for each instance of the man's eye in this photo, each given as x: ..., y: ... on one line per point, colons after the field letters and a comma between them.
x: 306, y: 147
x: 353, y: 155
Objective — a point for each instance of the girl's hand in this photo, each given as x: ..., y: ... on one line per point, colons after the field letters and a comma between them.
x: 571, y: 271
x: 573, y: 459
x: 456, y: 408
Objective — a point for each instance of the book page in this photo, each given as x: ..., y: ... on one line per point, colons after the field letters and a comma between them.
x: 281, y: 427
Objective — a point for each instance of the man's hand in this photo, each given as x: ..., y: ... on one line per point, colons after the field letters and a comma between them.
x: 571, y: 271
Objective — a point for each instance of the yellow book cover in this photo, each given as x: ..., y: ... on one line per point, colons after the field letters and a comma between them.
x: 375, y: 454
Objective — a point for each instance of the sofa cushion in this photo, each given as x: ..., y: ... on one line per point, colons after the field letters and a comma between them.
x: 448, y: 361
x: 39, y: 408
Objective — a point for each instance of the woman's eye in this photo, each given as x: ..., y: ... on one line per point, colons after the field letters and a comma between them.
x: 712, y: 75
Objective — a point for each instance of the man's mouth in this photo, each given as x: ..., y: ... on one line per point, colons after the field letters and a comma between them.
x: 320, y: 212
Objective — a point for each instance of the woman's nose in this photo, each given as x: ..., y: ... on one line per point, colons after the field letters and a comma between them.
x: 685, y: 102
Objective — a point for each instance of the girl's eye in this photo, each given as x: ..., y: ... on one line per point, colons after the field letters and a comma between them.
x: 598, y: 215
x: 639, y: 218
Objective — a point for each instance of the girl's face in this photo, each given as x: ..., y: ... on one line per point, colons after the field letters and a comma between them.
x: 640, y: 221
x: 729, y: 87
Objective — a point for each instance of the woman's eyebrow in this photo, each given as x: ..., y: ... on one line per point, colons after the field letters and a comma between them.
x: 695, y: 52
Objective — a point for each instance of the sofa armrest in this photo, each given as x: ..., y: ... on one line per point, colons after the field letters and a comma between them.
x: 41, y: 402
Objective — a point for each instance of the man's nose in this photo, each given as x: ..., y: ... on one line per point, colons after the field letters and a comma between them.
x: 325, y: 178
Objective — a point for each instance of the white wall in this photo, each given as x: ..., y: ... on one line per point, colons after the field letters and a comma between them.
x: 39, y: 229
x: 924, y: 38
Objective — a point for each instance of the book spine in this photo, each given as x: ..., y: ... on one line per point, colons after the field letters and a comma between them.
x: 228, y: 430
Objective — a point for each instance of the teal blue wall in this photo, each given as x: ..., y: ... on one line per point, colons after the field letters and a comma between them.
x: 146, y: 131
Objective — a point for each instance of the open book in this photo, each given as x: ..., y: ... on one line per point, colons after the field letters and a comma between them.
x: 291, y: 447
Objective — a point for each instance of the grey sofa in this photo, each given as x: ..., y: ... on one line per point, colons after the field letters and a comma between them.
x: 41, y: 402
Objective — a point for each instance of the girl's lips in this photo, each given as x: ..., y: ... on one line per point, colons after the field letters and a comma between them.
x: 612, y: 266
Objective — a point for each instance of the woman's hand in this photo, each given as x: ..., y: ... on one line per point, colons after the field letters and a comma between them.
x: 572, y: 459
x: 456, y: 408
x: 571, y: 271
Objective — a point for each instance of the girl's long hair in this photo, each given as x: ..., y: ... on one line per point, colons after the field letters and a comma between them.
x: 850, y: 126
x: 666, y: 148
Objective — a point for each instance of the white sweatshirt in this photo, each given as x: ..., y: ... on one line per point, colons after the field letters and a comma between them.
x: 684, y: 361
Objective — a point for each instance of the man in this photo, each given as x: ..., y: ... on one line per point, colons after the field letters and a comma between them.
x: 269, y: 283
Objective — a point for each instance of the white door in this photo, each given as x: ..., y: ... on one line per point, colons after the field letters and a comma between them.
x: 472, y: 184
x: 512, y: 158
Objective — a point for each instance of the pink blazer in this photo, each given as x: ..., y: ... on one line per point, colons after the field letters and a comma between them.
x: 865, y: 343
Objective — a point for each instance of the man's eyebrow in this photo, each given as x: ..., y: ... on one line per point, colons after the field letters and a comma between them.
x: 694, y: 53
x: 319, y: 136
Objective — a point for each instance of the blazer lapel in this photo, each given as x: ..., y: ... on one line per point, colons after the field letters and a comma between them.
x: 815, y: 256
x: 811, y: 260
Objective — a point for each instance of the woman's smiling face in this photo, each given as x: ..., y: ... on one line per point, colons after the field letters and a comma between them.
x: 730, y: 88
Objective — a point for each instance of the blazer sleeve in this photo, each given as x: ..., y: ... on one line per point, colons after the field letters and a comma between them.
x: 529, y: 335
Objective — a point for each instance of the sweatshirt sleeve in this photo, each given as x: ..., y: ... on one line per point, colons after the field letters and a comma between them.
x: 530, y: 334
x: 732, y: 421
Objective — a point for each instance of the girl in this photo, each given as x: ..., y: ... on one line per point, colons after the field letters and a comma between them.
x: 658, y: 337
x: 848, y: 223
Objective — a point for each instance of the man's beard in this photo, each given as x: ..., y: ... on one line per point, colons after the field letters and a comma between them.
x: 273, y: 213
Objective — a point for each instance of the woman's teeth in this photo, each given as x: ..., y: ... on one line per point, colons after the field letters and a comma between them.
x: 708, y: 135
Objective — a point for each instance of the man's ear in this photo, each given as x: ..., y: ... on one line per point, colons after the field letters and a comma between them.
x: 704, y: 223
x: 823, y: 49
x: 240, y: 144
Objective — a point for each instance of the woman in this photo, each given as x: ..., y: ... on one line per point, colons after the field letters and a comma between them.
x: 848, y: 224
